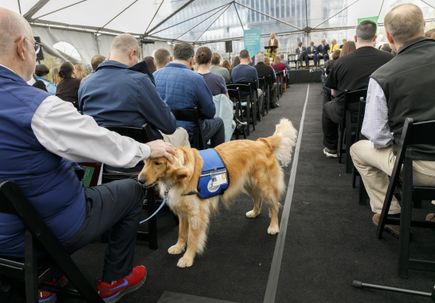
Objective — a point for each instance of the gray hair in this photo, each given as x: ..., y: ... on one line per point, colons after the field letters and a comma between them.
x: 123, y: 43
x: 404, y: 22
x: 259, y: 57
x: 366, y: 30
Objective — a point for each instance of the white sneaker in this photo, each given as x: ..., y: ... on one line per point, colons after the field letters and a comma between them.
x: 330, y: 153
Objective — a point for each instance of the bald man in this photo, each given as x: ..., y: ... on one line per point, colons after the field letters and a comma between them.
x: 42, y: 138
x: 116, y: 95
x: 403, y: 87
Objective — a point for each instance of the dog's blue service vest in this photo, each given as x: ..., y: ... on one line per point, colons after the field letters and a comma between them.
x: 214, y: 179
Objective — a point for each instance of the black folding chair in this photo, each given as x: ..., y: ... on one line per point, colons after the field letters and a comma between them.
x: 249, y: 100
x: 241, y: 126
x: 265, y: 87
x: 414, y: 135
x: 141, y: 134
x: 31, y: 270
x: 192, y: 115
x: 349, y: 123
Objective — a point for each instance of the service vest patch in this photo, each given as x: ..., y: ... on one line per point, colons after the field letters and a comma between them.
x: 214, y: 179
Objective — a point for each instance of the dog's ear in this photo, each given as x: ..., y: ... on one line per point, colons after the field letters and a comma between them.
x: 181, y: 173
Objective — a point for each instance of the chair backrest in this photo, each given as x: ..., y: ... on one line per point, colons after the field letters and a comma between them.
x: 245, y: 89
x: 141, y: 134
x: 352, y: 98
x: 192, y: 115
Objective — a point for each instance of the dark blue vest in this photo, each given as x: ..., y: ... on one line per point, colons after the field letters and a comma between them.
x: 47, y: 180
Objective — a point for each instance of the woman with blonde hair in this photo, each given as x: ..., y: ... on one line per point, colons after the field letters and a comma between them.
x: 80, y: 71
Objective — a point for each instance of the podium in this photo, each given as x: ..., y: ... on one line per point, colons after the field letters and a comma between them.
x: 271, y: 51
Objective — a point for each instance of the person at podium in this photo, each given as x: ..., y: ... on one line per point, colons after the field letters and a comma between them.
x: 272, y: 46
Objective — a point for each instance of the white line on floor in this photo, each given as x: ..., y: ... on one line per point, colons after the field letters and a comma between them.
x: 272, y: 281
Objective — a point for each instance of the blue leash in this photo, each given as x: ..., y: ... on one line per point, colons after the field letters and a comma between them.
x: 154, y: 213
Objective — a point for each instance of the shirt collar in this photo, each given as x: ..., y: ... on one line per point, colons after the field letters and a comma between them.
x: 412, y: 42
x: 174, y: 64
x: 9, y: 73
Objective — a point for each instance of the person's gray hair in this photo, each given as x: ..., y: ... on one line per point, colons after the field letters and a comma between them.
x: 259, y: 58
x: 404, y: 22
x: 366, y: 30
x: 123, y: 43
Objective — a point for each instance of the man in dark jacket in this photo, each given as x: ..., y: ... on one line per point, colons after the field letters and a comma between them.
x: 268, y: 73
x: 350, y: 73
x: 118, y: 96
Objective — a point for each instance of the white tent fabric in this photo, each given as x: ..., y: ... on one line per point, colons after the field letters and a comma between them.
x: 89, y: 24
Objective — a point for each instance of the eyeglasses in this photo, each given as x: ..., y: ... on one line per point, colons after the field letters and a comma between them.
x: 37, y: 47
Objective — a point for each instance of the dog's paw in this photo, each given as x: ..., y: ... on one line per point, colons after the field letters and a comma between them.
x: 185, y: 262
x: 175, y: 249
x: 252, y: 214
x: 273, y: 230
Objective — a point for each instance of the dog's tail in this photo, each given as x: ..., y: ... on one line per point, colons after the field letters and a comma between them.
x: 283, y: 141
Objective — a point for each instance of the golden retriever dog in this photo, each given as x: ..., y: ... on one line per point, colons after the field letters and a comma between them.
x: 252, y: 167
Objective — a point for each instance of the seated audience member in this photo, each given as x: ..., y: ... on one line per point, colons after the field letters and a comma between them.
x: 55, y: 75
x: 430, y: 33
x: 343, y: 42
x: 236, y: 61
x: 323, y: 50
x: 328, y: 65
x: 301, y: 54
x: 312, y: 54
x: 80, y: 71
x: 388, y: 104
x: 161, y: 57
x: 348, y: 48
x: 226, y: 64
x: 334, y: 46
x: 41, y: 74
x: 116, y: 95
x: 215, y: 68
x: 150, y: 63
x: 97, y: 60
x: 215, y: 82
x: 43, y: 130
x: 68, y: 87
x: 182, y: 88
x: 244, y: 73
x: 386, y: 48
x: 268, y: 73
x: 326, y: 92
x: 350, y: 72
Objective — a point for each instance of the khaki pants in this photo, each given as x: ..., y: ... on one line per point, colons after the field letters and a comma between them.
x: 376, y: 165
x: 179, y: 138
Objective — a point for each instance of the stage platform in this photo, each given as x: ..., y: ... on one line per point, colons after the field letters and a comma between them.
x: 304, y: 76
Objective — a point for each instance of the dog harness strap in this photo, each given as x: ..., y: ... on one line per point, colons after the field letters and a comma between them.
x: 214, y: 175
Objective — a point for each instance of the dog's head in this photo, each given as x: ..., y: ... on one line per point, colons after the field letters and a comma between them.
x: 162, y: 170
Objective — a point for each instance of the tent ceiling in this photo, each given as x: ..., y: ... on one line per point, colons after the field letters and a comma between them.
x: 205, y: 20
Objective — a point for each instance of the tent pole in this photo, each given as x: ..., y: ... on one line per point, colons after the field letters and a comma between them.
x: 169, y: 17
x: 155, y: 14
x: 237, y: 11
x: 267, y: 15
x: 117, y: 15
x: 60, y: 9
x: 163, y: 29
x: 223, y: 11
x: 19, y: 6
x: 202, y: 21
x: 34, y: 9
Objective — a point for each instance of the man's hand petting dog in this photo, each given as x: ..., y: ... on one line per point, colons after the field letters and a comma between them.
x: 159, y: 148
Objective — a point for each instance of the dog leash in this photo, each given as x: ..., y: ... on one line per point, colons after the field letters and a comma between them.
x: 161, y: 206
x: 154, y: 213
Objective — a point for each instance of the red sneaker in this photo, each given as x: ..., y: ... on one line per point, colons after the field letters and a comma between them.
x: 113, y: 292
x: 45, y: 296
